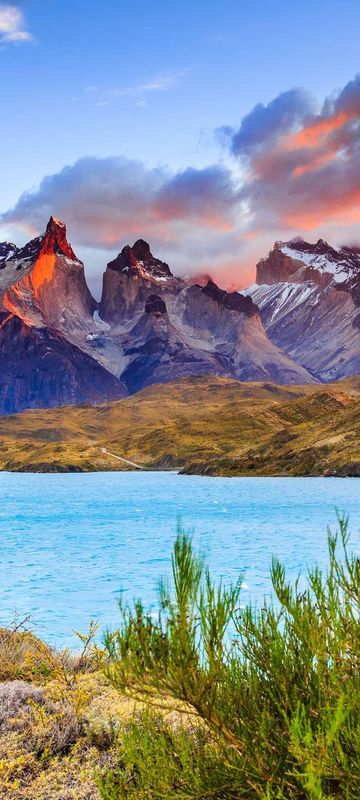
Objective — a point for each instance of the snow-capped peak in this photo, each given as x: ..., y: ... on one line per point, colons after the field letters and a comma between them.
x: 341, y: 265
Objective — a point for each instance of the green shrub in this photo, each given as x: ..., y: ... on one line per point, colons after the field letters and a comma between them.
x: 269, y: 697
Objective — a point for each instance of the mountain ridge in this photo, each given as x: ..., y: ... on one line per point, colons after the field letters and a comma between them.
x: 300, y: 323
x: 149, y: 326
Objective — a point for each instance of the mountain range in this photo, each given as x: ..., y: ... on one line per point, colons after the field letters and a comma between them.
x: 299, y: 324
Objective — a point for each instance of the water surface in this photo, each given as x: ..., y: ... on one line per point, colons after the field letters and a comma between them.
x: 70, y: 543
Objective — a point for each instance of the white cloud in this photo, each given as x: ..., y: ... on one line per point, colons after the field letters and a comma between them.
x: 189, y: 217
x: 12, y: 25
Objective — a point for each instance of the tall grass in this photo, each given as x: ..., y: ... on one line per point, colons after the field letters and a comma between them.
x: 268, y: 699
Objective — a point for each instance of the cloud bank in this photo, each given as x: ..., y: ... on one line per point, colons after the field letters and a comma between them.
x: 109, y: 198
x: 299, y: 164
x: 302, y: 167
x: 190, y: 216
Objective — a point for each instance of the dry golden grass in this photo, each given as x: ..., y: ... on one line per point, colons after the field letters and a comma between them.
x: 50, y: 750
x: 61, y: 721
x: 206, y: 424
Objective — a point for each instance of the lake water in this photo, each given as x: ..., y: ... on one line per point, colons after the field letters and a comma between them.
x: 70, y: 543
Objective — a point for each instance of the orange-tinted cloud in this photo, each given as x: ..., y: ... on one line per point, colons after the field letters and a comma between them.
x: 314, y: 133
x: 304, y: 169
x: 189, y: 217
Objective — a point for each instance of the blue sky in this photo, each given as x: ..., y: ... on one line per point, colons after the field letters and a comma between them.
x: 154, y: 81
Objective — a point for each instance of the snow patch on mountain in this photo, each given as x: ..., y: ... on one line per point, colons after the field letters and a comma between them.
x: 282, y: 297
x: 341, y: 265
x: 104, y: 326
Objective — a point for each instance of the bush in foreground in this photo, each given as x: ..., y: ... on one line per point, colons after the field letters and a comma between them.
x: 269, y: 699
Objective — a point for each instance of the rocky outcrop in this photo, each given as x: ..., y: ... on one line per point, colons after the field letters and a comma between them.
x: 155, y: 305
x: 128, y: 280
x: 276, y: 267
x: 207, y: 308
x: 298, y: 261
x: 7, y: 251
x: 232, y: 323
x: 140, y: 259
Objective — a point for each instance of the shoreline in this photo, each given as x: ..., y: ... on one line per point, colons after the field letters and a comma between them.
x: 55, y: 470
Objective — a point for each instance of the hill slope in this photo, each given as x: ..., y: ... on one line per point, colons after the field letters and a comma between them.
x: 202, y: 425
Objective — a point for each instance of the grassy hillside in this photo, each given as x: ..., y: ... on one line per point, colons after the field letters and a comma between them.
x: 203, y: 425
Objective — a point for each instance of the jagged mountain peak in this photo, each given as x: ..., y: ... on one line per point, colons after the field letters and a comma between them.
x: 139, y: 259
x: 54, y: 240
x: 129, y: 278
x: 141, y: 250
x: 320, y: 247
x: 233, y: 301
x: 55, y: 224
x: 298, y: 261
x: 45, y: 285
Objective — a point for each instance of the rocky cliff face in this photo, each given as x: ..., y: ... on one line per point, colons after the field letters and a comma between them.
x: 232, y: 322
x: 49, y: 287
x: 299, y: 262
x: 46, y: 308
x: 128, y: 280
x: 156, y: 350
x: 309, y: 296
x: 39, y: 368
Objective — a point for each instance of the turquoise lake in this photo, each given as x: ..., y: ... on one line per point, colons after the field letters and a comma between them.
x: 70, y: 543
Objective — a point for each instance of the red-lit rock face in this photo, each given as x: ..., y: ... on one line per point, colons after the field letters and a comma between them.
x: 53, y: 290
x: 55, y: 240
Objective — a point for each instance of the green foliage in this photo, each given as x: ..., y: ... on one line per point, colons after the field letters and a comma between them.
x: 267, y: 700
x: 150, y: 748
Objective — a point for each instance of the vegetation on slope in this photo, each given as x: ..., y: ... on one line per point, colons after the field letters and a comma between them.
x: 59, y: 719
x: 214, y: 426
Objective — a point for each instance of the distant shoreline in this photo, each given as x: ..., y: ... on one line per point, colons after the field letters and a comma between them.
x: 61, y: 471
